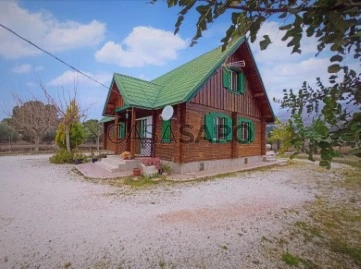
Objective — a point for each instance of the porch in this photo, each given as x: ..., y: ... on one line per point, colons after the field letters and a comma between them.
x: 133, y: 131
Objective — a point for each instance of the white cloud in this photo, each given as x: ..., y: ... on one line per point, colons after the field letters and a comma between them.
x: 278, y: 50
x: 78, y: 80
x: 22, y: 69
x: 39, y: 68
x: 44, y: 30
x: 26, y: 68
x: 282, y: 70
x: 143, y: 46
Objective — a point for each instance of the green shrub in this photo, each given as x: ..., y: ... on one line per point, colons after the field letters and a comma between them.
x: 62, y: 157
x: 80, y: 156
x: 165, y: 168
x: 77, y: 135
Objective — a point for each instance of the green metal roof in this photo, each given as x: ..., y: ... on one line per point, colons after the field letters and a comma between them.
x: 106, y: 119
x: 176, y: 86
x: 137, y: 92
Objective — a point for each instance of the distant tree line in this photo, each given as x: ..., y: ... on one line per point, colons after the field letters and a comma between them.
x: 37, y: 122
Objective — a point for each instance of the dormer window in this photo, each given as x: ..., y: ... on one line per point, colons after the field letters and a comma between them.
x: 234, y: 80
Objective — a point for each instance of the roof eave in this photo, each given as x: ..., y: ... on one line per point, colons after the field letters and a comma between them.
x: 269, y: 120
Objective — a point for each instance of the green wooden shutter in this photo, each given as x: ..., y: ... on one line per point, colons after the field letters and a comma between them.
x: 240, y: 126
x: 229, y: 128
x: 226, y: 78
x: 121, y: 130
x: 166, y: 131
x: 209, y: 127
x: 241, y: 83
x: 252, y: 131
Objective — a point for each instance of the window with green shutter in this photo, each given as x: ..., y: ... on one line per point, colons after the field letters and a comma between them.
x: 218, y: 127
x: 121, y: 130
x: 166, y: 131
x: 245, y: 131
x: 234, y: 80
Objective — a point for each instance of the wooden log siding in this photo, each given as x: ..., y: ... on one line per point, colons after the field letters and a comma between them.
x: 204, y: 150
x: 168, y: 151
x: 115, y: 101
x: 212, y: 94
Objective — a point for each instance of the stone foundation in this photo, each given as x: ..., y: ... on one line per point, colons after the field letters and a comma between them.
x: 231, y: 164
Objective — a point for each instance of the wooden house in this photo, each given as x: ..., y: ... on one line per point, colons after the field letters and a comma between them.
x: 220, y: 112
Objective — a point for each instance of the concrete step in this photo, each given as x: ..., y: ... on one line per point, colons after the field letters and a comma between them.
x: 114, y: 157
x: 112, y: 162
x: 107, y: 167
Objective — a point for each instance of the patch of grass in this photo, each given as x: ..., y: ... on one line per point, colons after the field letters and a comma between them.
x: 67, y: 265
x: 224, y: 247
x: 289, y: 259
x: 161, y: 264
x: 344, y: 248
x: 352, y: 178
x: 142, y: 181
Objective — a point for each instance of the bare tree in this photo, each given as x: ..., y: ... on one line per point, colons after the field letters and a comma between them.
x: 68, y: 109
x: 34, y: 119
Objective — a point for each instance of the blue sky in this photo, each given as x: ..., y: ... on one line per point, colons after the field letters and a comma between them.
x: 129, y: 37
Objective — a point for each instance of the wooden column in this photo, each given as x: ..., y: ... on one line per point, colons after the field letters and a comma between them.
x: 133, y: 132
x: 263, y: 136
x: 234, y: 136
x: 176, y: 131
x: 154, y: 122
x: 116, y: 125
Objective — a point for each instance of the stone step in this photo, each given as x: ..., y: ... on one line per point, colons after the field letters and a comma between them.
x: 107, y: 166
x: 112, y: 162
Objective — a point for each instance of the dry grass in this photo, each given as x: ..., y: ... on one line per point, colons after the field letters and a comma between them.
x: 327, y: 231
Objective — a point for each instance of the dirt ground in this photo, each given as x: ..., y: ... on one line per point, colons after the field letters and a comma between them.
x: 295, y: 215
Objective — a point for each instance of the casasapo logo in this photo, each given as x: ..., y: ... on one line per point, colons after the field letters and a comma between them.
x: 188, y: 133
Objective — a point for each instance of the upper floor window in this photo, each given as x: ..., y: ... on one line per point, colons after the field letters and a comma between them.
x: 234, y: 80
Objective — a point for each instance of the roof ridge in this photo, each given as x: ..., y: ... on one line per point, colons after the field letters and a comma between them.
x: 180, y: 66
x: 229, y: 50
x: 131, y: 77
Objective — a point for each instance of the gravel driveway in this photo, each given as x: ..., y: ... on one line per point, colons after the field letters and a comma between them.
x: 51, y: 218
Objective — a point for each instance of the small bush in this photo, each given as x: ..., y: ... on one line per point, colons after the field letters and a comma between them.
x: 165, y: 168
x: 62, y: 157
x: 80, y: 156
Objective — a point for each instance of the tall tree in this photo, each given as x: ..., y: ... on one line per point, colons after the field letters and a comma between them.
x: 95, y: 128
x: 34, y: 119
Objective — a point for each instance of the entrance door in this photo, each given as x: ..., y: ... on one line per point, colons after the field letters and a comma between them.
x: 144, y: 136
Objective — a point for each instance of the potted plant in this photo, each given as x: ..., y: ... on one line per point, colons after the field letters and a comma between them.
x: 165, y: 169
x: 136, y: 172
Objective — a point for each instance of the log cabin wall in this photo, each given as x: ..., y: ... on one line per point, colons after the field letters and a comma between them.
x: 214, y: 98
x: 108, y: 142
x: 213, y: 95
x: 115, y: 100
x: 169, y: 151
x: 202, y: 149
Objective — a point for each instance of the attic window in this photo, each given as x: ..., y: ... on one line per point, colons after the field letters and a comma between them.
x: 234, y: 80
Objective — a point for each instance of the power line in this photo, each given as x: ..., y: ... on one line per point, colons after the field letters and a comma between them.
x: 52, y: 55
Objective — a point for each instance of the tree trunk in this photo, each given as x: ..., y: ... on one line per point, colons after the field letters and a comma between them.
x: 67, y: 138
x: 98, y: 143
x: 37, y: 142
